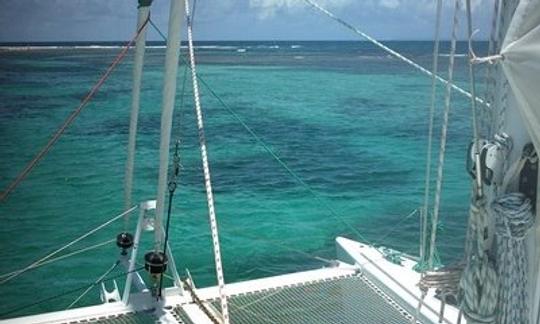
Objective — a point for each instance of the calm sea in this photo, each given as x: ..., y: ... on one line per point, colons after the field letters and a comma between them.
x: 345, y: 117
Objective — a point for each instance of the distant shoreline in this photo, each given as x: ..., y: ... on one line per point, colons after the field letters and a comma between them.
x: 212, y: 45
x: 152, y: 42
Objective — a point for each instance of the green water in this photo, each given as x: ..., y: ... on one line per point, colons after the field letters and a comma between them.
x: 348, y: 120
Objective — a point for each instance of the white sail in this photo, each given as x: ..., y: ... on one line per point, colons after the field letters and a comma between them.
x: 521, y: 64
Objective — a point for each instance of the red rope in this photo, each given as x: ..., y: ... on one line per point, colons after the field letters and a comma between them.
x: 71, y: 118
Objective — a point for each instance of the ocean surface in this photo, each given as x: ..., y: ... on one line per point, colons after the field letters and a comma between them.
x: 347, y: 118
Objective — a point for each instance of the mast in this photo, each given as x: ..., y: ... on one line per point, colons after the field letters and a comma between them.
x: 169, y: 92
x: 143, y: 15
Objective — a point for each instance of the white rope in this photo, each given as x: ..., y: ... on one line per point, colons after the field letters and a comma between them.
x: 424, y: 213
x: 392, y: 52
x: 206, y: 171
x: 442, y: 149
x: 491, y: 82
x: 446, y: 279
x: 490, y: 59
x: 513, y: 220
x: 472, y: 83
x: 36, y: 263
x: 479, y: 284
x: 62, y: 257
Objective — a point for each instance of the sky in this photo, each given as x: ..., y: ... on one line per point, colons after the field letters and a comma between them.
x: 114, y: 20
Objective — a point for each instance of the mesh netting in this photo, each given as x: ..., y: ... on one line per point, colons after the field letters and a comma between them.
x: 129, y: 318
x: 351, y: 299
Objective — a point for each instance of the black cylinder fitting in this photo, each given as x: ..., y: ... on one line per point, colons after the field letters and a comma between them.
x: 145, y: 3
x: 155, y: 262
x: 124, y: 240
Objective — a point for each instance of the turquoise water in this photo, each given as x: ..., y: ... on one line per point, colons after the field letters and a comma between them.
x: 348, y: 119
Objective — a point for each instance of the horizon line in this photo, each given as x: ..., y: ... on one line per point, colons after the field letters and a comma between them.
x: 236, y: 40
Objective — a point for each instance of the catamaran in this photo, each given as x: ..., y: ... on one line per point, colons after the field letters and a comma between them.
x: 497, y: 281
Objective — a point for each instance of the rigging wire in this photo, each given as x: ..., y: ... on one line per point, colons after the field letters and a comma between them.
x: 491, y: 70
x: 493, y: 43
x: 199, y: 302
x: 425, y: 212
x: 479, y: 284
x: 206, y: 172
x: 96, y: 282
x: 472, y: 81
x: 182, y: 95
x: 239, y: 232
x: 172, y: 188
x: 312, y: 191
x: 259, y: 140
x: 86, y: 249
x: 71, y: 118
x: 242, y: 233
x: 444, y: 131
x: 50, y: 255
x: 186, y: 66
x: 65, y: 293
x: 392, y: 52
x: 396, y: 226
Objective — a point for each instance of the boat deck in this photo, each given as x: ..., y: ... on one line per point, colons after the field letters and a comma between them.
x: 363, y: 287
x: 347, y: 299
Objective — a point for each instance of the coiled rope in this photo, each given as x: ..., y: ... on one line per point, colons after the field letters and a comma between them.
x: 446, y: 278
x: 513, y: 220
x: 479, y: 283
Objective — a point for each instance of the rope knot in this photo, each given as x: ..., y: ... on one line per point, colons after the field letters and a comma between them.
x: 491, y: 59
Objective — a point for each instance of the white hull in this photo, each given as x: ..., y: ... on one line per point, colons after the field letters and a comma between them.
x: 394, y: 285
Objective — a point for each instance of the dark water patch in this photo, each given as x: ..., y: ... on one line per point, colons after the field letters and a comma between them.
x: 351, y: 122
x: 360, y: 106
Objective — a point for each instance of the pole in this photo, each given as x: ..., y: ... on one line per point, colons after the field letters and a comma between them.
x: 133, y: 257
x: 143, y: 15
x: 169, y: 92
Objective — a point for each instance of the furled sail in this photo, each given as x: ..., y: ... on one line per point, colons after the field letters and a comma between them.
x: 521, y: 63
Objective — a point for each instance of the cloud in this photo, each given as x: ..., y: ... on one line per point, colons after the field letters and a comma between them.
x: 423, y: 5
x: 268, y: 8
x: 391, y: 4
x: 38, y: 20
